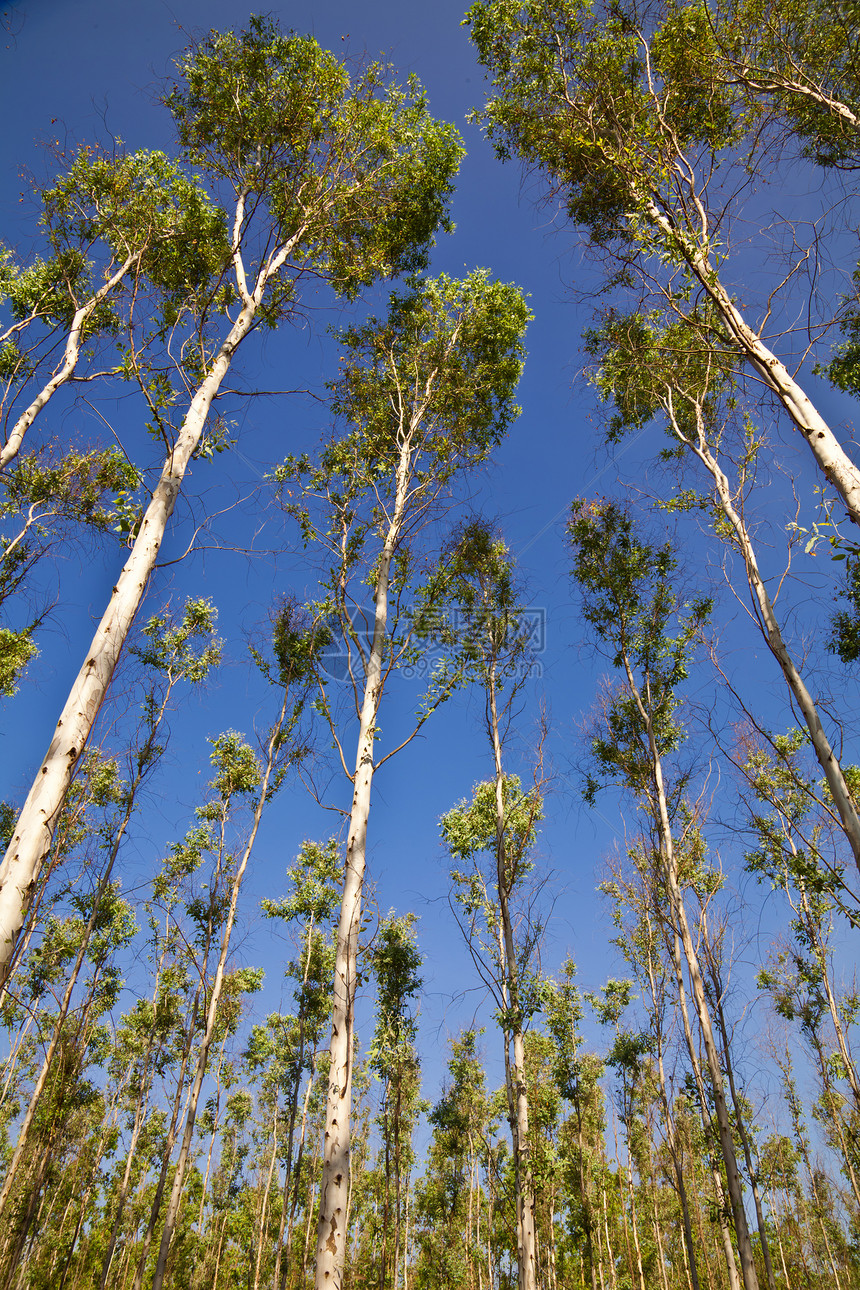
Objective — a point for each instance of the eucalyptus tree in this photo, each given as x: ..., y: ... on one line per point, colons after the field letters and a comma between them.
x: 799, y: 62
x: 51, y: 503
x: 184, y: 651
x: 119, y: 230
x: 453, y: 1210
x: 65, y: 1088
x: 576, y: 1075
x: 636, y: 899
x: 501, y: 821
x: 495, y: 646
x: 643, y: 133
x: 791, y: 854
x: 656, y: 367
x: 627, y: 1056
x: 321, y: 177
x: 310, y: 907
x: 239, y: 775
x: 396, y: 963
x: 425, y: 393
x: 629, y: 603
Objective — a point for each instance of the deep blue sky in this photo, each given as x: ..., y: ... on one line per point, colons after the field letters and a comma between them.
x: 75, y: 70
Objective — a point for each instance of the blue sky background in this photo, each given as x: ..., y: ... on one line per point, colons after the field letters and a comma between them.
x: 78, y: 70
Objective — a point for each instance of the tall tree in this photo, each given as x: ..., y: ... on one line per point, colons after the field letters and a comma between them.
x: 311, y: 906
x: 496, y: 647
x: 630, y: 605
x: 393, y: 1058
x: 648, y: 366
x: 120, y: 230
x: 638, y: 124
x: 239, y: 775
x: 323, y: 176
x: 426, y: 393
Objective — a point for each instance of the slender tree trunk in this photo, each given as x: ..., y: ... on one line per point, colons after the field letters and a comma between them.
x: 830, y: 456
x: 772, y: 633
x: 633, y: 1221
x: 294, y: 1199
x: 621, y: 1205
x: 170, y: 1139
x: 172, y: 1212
x: 719, y: 1193
x: 679, y: 916
x: 671, y: 1135
x: 610, y: 1255
x: 334, y: 1185
x: 406, y: 1236
x: 309, y: 1225
x: 740, y: 1119
x: 294, y: 1098
x: 265, y: 1201
x: 518, y: 1095
x: 385, y: 1193
x: 24, y: 1130
x: 144, y: 1088
x: 65, y: 371
x: 123, y: 1189
x: 12, y: 1061
x: 820, y: 948
x: 19, y: 871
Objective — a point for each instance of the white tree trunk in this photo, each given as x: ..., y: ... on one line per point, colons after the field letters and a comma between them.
x: 20, y: 868
x: 518, y: 1095
x: 833, y: 461
x: 66, y: 369
x: 172, y: 1212
x: 770, y: 629
x: 334, y: 1184
x: 679, y: 918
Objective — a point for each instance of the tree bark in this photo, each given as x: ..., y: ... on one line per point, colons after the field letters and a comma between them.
x: 517, y: 1092
x: 334, y: 1184
x: 830, y: 456
x: 172, y: 1212
x: 770, y: 629
x: 66, y: 370
x: 34, y: 830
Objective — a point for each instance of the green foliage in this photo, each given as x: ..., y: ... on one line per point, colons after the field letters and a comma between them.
x: 845, y: 640
x: 396, y: 963
x: 473, y: 608
x: 644, y: 360
x: 599, y: 96
x: 237, y: 770
x: 143, y: 204
x: 789, y: 827
x: 316, y: 879
x: 451, y: 352
x: 17, y: 649
x: 74, y: 488
x: 8, y: 816
x: 436, y: 376
x: 630, y: 603
x: 798, y: 58
x: 184, y: 860
x: 470, y: 828
x: 357, y: 172
x: 503, y: 944
x: 449, y: 1249
x: 189, y: 650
